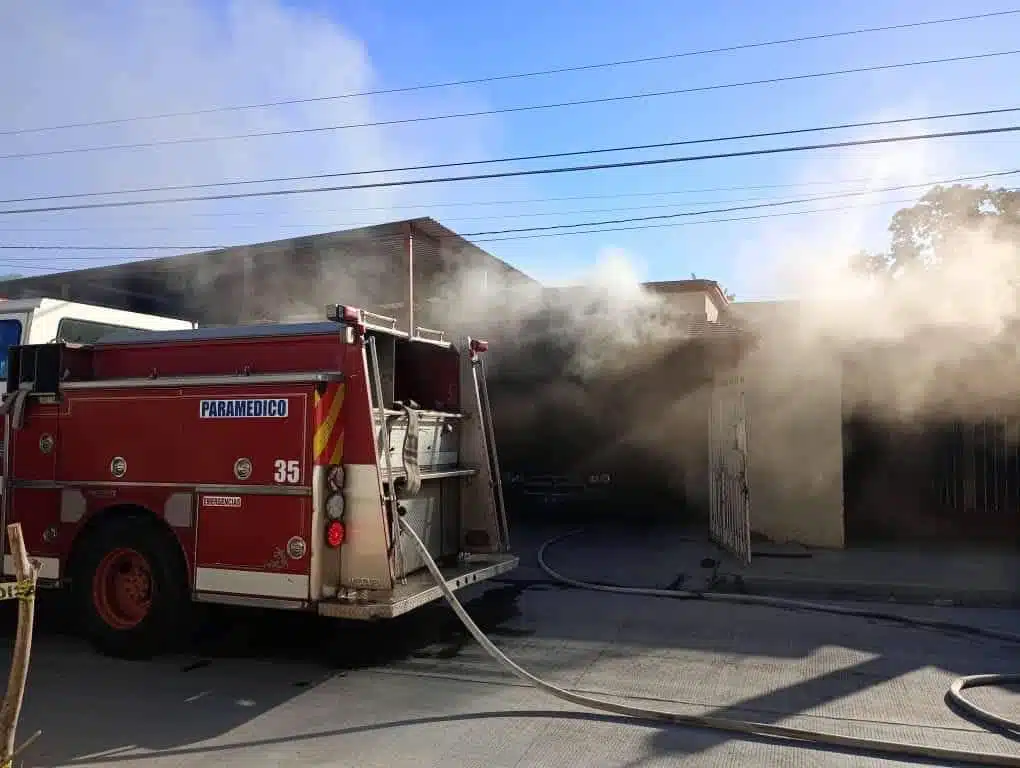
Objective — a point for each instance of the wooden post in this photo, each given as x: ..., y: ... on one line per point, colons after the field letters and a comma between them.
x: 11, y: 709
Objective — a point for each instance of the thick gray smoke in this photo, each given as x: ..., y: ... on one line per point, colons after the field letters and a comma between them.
x: 857, y: 381
x: 928, y: 342
x: 591, y: 377
x: 605, y: 316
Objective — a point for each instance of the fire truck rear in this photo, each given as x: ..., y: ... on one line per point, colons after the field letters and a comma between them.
x: 263, y: 465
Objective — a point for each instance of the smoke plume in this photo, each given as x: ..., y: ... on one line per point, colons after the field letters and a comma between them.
x: 916, y: 338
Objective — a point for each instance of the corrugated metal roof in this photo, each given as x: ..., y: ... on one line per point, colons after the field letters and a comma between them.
x: 389, y: 234
x: 173, y: 285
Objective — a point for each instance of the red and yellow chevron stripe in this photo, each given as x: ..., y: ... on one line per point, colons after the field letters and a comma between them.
x: 328, y: 443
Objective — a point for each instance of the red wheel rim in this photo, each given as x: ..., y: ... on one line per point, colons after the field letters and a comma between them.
x: 122, y: 588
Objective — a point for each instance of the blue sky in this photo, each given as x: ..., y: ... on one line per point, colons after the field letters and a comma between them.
x: 115, y: 59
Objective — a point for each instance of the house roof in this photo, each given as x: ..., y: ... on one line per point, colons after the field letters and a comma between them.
x: 710, y: 287
x: 386, y: 236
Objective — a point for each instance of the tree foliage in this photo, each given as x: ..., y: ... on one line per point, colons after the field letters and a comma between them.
x: 922, y: 236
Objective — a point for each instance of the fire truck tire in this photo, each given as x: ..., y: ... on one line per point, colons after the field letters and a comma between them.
x: 130, y: 589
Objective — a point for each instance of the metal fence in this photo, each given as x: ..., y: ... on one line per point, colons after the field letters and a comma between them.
x: 977, y: 470
x: 729, y: 496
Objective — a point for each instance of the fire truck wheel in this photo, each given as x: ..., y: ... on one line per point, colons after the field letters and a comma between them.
x: 130, y: 588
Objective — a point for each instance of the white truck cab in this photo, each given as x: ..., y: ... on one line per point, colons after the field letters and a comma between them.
x: 41, y: 321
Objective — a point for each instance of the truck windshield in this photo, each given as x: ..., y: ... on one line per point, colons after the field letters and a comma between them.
x: 10, y: 335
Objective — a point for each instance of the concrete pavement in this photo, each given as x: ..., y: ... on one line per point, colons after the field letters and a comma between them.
x: 275, y: 689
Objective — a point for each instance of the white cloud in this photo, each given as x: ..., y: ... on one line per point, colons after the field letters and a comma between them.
x: 68, y: 61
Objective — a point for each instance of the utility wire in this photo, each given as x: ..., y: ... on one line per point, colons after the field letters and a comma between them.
x: 502, y: 110
x: 674, y: 224
x: 633, y: 219
x: 522, y: 158
x: 111, y: 247
x: 519, y: 173
x: 516, y: 75
x: 165, y: 264
x: 730, y: 209
x: 333, y: 225
x: 755, y: 203
x: 432, y: 206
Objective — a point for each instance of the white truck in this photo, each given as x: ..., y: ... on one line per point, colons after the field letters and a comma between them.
x: 41, y: 321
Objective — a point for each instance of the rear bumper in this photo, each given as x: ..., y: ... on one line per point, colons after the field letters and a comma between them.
x: 418, y: 590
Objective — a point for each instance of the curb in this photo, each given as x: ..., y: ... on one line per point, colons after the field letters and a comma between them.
x: 907, y: 593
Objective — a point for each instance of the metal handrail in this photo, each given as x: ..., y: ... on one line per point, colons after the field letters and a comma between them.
x: 422, y: 331
x: 386, y: 320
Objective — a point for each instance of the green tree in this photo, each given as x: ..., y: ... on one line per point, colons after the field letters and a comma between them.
x: 922, y: 235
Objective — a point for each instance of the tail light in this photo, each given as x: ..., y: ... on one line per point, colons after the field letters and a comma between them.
x: 340, y: 313
x: 335, y: 478
x: 335, y: 534
x: 351, y: 320
x: 335, y: 507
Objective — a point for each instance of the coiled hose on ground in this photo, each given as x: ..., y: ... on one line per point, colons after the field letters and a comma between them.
x: 803, y: 736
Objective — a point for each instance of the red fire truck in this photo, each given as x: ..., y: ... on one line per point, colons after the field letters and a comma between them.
x: 263, y: 465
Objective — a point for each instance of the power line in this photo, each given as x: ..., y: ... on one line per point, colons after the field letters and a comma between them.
x: 520, y: 237
x: 516, y: 75
x: 757, y: 202
x: 111, y: 247
x: 334, y: 226
x: 635, y: 219
x: 501, y: 110
x: 522, y: 158
x: 565, y: 198
x: 730, y: 209
x: 431, y: 206
x: 677, y: 224
x: 370, y: 222
x: 519, y: 173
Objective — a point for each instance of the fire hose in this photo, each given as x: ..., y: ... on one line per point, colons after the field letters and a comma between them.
x: 799, y: 736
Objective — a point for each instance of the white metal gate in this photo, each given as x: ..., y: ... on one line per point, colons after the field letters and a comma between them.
x: 729, y: 499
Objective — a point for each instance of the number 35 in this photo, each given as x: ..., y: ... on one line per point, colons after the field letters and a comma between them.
x: 286, y: 471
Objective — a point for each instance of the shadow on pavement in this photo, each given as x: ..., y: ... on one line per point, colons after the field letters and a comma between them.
x: 239, y: 665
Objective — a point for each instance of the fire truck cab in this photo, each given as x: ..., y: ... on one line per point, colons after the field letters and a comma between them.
x: 261, y: 465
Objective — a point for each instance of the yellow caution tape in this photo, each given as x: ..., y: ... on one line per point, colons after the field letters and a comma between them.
x: 16, y: 590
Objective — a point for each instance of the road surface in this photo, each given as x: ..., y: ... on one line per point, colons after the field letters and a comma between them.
x: 258, y: 689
